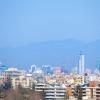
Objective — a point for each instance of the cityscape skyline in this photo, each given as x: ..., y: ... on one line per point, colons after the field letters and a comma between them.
x: 53, y: 53
x: 50, y: 49
x: 49, y: 32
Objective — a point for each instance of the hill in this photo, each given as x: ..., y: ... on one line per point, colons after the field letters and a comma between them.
x: 53, y: 52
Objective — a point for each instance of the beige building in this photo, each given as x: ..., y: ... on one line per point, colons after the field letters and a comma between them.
x: 24, y: 81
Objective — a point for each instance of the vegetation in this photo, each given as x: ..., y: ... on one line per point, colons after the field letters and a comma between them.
x: 33, y: 86
x: 68, y: 91
x: 4, y: 88
x: 79, y: 92
x: 8, y: 84
x: 20, y: 93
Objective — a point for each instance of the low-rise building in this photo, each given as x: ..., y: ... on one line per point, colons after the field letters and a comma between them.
x: 24, y: 81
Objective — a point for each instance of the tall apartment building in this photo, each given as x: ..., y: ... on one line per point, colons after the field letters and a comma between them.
x: 81, y: 64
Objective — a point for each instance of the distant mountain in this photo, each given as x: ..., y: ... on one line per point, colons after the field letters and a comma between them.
x: 62, y: 52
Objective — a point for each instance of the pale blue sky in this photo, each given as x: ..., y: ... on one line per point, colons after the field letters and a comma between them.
x: 28, y: 21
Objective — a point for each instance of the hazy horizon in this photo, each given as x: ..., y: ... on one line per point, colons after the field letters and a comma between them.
x: 23, y: 23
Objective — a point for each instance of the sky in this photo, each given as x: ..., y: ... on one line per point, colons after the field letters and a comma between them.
x: 27, y: 21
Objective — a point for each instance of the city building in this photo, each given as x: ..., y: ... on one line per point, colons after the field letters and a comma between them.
x: 24, y: 81
x: 81, y: 64
x: 33, y: 68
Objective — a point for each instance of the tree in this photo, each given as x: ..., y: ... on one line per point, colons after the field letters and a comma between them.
x: 14, y: 95
x: 79, y: 92
x: 23, y: 92
x: 36, y: 96
x: 2, y: 92
x: 4, y: 87
x: 68, y: 91
x: 33, y: 86
x: 75, y: 88
x: 8, y: 84
x: 1, y: 87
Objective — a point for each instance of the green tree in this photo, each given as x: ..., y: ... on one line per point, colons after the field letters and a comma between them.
x: 8, y: 84
x: 33, y: 86
x: 2, y: 92
x: 79, y: 92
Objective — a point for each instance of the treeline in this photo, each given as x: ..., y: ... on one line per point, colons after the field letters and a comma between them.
x: 20, y: 93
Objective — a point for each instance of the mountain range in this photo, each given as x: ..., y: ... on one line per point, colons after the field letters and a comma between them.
x: 58, y: 52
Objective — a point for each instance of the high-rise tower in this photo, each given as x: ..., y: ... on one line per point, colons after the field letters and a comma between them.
x: 81, y: 64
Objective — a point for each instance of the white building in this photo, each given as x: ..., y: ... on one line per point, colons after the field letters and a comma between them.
x: 33, y: 68
x: 24, y: 81
x: 81, y: 64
